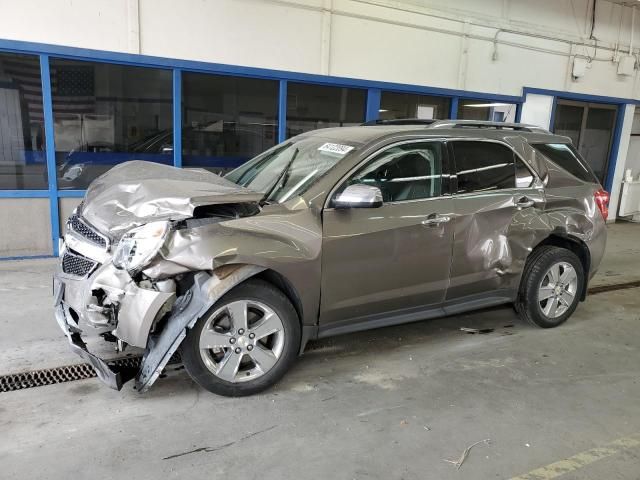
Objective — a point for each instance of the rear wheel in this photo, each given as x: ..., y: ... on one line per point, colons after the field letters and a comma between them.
x: 245, y: 343
x: 551, y: 286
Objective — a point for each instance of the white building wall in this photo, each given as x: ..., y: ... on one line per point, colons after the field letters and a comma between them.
x: 632, y: 160
x: 424, y: 42
x: 537, y: 110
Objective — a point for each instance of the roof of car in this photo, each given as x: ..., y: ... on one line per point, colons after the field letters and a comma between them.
x: 366, y: 133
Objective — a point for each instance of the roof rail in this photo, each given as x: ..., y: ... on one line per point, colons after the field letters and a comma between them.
x: 522, y: 127
x: 400, y: 121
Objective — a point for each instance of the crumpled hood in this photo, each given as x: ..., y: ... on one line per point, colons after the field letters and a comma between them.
x: 138, y: 192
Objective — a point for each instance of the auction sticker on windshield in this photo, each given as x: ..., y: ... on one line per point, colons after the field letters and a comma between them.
x: 335, y: 148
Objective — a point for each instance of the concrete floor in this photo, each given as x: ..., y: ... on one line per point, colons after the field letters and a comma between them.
x: 390, y: 403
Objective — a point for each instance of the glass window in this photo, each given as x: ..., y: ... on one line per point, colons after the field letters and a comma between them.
x: 315, y: 106
x: 482, y: 166
x: 22, y: 158
x: 107, y: 114
x: 568, y: 121
x: 405, y: 172
x: 596, y: 144
x: 486, y: 110
x: 524, y: 177
x: 227, y: 120
x: 290, y: 168
x: 407, y: 105
x: 565, y: 156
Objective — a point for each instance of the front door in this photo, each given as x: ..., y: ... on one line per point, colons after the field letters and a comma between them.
x: 393, y: 259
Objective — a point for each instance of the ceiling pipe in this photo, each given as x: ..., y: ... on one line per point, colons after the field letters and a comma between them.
x: 633, y: 21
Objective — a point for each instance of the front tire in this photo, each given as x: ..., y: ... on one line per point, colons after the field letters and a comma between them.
x: 552, y: 282
x: 246, y: 341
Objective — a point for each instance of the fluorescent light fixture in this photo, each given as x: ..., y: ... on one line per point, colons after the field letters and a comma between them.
x: 489, y: 104
x: 382, y: 110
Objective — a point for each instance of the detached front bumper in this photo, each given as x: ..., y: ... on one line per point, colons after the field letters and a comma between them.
x: 113, y: 376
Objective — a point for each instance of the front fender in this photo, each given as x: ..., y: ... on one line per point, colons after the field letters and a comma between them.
x: 206, y: 290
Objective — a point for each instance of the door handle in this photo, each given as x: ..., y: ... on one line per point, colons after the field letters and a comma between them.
x: 436, y: 220
x: 524, y: 202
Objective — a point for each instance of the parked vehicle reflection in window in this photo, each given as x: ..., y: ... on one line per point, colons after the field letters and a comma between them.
x: 106, y: 114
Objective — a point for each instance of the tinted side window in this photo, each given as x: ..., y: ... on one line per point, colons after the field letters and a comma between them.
x: 405, y: 172
x: 565, y: 156
x: 482, y: 166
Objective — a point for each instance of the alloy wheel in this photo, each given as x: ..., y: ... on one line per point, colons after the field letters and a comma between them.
x: 242, y: 340
x: 558, y: 289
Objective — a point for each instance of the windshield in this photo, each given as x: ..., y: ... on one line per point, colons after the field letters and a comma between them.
x: 290, y: 168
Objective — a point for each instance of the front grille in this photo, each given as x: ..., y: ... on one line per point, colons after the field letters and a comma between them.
x: 76, y: 265
x: 78, y: 226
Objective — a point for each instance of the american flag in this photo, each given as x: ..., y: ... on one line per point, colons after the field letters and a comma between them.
x: 72, y: 85
x: 24, y: 72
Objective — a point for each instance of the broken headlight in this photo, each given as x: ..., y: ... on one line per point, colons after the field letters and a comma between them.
x: 138, y: 246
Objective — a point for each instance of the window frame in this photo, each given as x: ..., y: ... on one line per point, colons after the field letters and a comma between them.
x: 446, y: 187
x: 454, y: 175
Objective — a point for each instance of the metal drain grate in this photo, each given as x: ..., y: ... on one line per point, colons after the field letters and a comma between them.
x: 50, y: 376
x: 614, y: 287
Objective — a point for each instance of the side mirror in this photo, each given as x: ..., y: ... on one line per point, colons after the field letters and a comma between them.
x: 359, y: 196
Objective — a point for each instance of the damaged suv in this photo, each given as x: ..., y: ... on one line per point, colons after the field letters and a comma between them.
x: 333, y: 231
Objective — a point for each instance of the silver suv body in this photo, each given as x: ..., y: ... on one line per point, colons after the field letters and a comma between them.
x: 333, y: 231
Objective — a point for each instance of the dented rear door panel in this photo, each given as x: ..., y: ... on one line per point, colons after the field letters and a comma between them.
x: 492, y: 239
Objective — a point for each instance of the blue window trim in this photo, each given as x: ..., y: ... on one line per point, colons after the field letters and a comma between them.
x: 24, y: 193
x: 50, y: 149
x: 518, y: 112
x: 177, y: 66
x: 282, y: 111
x: 71, y: 193
x: 582, y: 97
x: 453, y: 108
x: 615, y: 147
x: 373, y: 104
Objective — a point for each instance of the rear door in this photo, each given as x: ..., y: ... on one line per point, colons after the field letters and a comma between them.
x: 495, y: 198
x: 393, y: 259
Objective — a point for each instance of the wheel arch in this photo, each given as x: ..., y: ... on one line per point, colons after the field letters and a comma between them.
x: 283, y: 284
x: 575, y: 245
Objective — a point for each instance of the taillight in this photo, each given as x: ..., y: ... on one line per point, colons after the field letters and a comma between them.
x: 602, y: 201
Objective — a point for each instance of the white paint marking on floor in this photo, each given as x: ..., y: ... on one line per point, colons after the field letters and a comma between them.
x: 581, y: 460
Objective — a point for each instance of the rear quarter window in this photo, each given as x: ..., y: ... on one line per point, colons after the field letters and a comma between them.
x: 565, y: 156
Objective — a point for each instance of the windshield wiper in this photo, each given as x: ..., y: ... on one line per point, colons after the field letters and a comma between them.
x: 281, y: 180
